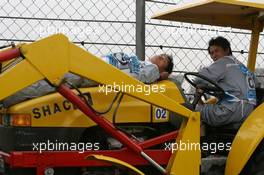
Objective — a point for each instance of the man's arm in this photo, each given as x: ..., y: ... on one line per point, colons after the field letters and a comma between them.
x: 215, y: 71
x: 147, y: 74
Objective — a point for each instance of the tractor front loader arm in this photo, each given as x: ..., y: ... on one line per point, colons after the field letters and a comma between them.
x: 51, y: 58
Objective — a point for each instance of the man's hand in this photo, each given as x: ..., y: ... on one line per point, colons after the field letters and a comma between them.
x: 200, y: 93
x: 164, y: 75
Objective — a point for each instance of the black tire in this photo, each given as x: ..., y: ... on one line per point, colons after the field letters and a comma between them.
x: 255, y: 165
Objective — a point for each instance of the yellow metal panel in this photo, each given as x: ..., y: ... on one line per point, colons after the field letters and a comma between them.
x: 55, y: 111
x: 132, y: 110
x: 115, y: 162
x: 228, y: 13
x: 187, y: 159
x: 17, y: 78
x: 50, y: 56
x: 51, y: 111
x: 160, y: 114
x: 171, y: 91
x: 246, y: 141
x: 254, y: 43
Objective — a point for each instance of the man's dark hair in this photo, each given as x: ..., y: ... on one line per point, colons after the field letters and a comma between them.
x: 221, y: 42
x: 170, y: 65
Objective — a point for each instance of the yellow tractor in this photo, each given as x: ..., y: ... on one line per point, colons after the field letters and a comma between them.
x: 139, y: 133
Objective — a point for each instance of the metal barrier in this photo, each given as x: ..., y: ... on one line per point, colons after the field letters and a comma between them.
x: 104, y: 26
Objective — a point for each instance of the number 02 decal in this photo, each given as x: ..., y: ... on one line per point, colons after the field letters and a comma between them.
x: 160, y: 113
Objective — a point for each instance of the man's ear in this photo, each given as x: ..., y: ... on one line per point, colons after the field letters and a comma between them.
x: 227, y: 52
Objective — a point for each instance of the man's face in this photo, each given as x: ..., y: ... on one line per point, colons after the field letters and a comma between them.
x: 160, y: 61
x: 217, y: 52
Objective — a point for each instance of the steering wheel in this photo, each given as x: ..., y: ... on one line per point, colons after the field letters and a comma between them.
x: 205, y: 84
